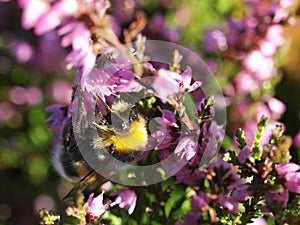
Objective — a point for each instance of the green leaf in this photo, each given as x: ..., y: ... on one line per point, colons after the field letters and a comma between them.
x: 240, y: 137
x: 167, y: 183
x: 276, y: 135
x: 175, y: 196
x: 150, y: 196
x: 256, y: 143
x: 113, y: 219
x: 183, y: 209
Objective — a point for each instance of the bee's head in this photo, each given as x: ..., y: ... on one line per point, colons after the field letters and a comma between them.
x: 122, y: 115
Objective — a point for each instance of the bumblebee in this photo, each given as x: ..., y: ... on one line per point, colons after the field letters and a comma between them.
x: 122, y: 132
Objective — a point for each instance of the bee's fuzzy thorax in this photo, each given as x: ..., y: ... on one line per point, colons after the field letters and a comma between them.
x: 134, y: 140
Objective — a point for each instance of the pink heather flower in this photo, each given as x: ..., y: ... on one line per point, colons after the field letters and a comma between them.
x: 189, y: 219
x: 55, y: 15
x: 268, y: 131
x: 277, y: 108
x: 32, y: 11
x: 188, y: 177
x: 280, y: 15
x: 241, y: 193
x: 245, y: 83
x: 34, y: 95
x: 95, y: 206
x: 297, y: 140
x: 22, y: 51
x: 21, y: 96
x: 275, y: 35
x: 285, y: 168
x: 228, y: 203
x: 245, y: 154
x: 220, y: 165
x: 158, y: 29
x: 126, y: 199
x: 17, y: 95
x: 291, y: 173
x: 258, y: 221
x: 261, y: 109
x: 44, y: 17
x: 184, y: 176
x: 60, y: 92
x: 6, y: 111
x: 161, y: 129
x: 213, y: 65
x: 166, y: 84
x: 251, y: 127
x: 200, y: 201
x: 187, y: 147
x: 277, y: 201
x: 261, y: 66
x: 59, y: 118
x: 293, y: 182
x: 186, y: 84
x: 224, y: 173
x: 286, y: 3
x: 97, y: 83
x: 267, y: 48
x: 76, y: 33
x: 215, y: 40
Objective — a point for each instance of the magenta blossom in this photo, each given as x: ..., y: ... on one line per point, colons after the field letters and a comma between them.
x: 200, y: 202
x: 192, y: 218
x: 66, y: 17
x: 291, y: 173
x: 215, y: 40
x: 59, y: 118
x: 55, y: 15
x: 95, y: 206
x: 187, y: 147
x: 32, y: 11
x: 277, y: 201
x: 76, y: 34
x: 166, y: 84
x: 228, y: 203
x: 277, y: 108
x: 297, y: 140
x: 241, y: 193
x: 126, y: 199
x: 284, y: 168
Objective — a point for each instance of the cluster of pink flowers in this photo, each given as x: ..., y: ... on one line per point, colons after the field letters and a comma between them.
x: 73, y: 21
x: 125, y: 198
x: 267, y: 175
x: 252, y: 42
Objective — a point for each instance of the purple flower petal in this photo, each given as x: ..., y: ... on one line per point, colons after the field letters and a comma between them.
x: 293, y: 182
x: 166, y: 84
x: 285, y: 168
x: 241, y: 193
x: 126, y: 199
x: 96, y: 207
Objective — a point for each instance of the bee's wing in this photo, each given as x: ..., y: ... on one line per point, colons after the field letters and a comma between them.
x: 91, y: 181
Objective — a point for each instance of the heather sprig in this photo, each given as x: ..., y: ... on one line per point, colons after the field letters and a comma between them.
x: 256, y: 187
